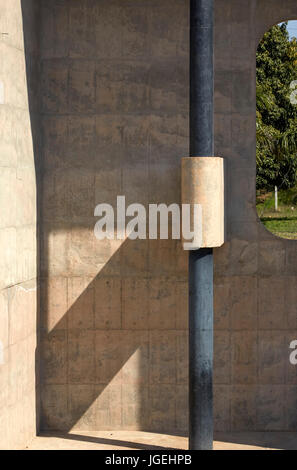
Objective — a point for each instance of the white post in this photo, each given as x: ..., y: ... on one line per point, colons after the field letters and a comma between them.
x: 275, y: 199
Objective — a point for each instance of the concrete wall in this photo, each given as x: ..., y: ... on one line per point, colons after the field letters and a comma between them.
x: 18, y: 271
x: 255, y: 272
x: 114, y: 314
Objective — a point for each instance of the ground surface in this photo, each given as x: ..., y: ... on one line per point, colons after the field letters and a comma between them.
x: 136, y: 440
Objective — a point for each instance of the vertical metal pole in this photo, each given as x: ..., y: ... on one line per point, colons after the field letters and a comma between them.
x: 201, y: 261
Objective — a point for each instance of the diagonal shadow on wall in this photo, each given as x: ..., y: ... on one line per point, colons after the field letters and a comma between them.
x: 138, y: 358
x: 112, y: 326
x: 101, y: 366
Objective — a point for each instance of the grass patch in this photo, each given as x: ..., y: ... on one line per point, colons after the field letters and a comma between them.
x: 282, y: 223
x: 281, y: 226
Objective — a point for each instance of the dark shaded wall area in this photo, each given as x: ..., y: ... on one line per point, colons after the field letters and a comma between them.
x: 113, y: 328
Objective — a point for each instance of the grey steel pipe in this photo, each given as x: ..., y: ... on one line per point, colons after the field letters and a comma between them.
x: 201, y: 261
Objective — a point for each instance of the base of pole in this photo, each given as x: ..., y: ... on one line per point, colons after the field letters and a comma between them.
x: 201, y: 349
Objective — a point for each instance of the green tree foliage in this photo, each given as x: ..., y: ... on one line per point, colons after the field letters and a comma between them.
x: 276, y: 115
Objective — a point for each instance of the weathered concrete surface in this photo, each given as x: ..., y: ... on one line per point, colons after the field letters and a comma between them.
x: 114, y: 314
x: 255, y: 272
x: 18, y: 259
